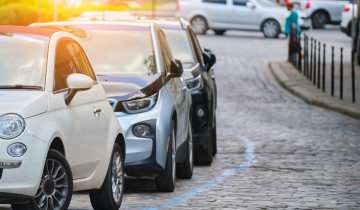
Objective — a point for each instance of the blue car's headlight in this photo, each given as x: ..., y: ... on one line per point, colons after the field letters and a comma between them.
x: 11, y: 126
x: 194, y: 83
x: 140, y: 105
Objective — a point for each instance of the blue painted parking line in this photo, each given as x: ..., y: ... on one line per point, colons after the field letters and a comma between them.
x: 250, y: 159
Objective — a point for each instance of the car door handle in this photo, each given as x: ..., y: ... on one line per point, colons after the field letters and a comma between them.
x: 97, y: 111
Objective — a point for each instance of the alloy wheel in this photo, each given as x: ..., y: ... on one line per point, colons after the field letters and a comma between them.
x: 199, y: 25
x: 270, y: 28
x: 117, y: 177
x: 54, y: 186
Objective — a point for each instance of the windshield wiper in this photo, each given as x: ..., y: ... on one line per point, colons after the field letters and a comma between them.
x: 19, y: 86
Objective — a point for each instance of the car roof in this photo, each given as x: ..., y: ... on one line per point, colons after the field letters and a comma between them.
x: 27, y: 30
x: 167, y: 23
x: 93, y: 22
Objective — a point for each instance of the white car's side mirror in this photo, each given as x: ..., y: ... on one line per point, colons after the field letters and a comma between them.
x: 75, y: 83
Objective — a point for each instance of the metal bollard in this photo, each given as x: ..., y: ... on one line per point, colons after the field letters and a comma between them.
x: 341, y: 73
x: 319, y: 69
x: 311, y: 58
x: 324, y: 65
x: 314, y: 80
x: 332, y: 71
x: 353, y: 76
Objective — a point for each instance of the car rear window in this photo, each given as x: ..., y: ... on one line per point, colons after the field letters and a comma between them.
x: 180, y: 46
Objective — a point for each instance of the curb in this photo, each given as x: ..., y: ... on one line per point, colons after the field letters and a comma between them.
x: 299, y: 86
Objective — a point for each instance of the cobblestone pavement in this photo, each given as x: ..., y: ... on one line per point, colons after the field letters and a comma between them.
x: 275, y: 151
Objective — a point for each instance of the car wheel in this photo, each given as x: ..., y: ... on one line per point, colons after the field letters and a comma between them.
x: 165, y: 182
x: 109, y: 196
x: 271, y: 28
x: 199, y: 25
x: 214, y: 138
x: 186, y: 169
x: 319, y: 19
x: 219, y: 32
x: 56, y: 185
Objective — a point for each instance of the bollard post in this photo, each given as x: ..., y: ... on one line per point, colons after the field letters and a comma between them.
x: 311, y: 58
x: 341, y: 73
x: 324, y: 65
x: 319, y: 62
x: 353, y: 76
x: 304, y: 72
x: 314, y: 80
x: 299, y: 55
x: 332, y: 71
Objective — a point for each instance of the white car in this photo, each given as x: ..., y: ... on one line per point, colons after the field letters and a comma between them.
x: 347, y: 17
x: 322, y: 12
x: 58, y: 132
x: 222, y: 15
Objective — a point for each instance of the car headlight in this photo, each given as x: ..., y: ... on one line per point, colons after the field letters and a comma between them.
x: 140, y: 105
x: 194, y: 83
x: 11, y: 126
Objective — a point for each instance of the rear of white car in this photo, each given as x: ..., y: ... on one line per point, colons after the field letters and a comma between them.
x: 349, y: 12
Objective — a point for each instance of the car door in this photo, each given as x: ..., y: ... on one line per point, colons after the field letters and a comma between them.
x: 178, y: 90
x: 83, y: 115
x: 243, y: 16
x: 217, y: 11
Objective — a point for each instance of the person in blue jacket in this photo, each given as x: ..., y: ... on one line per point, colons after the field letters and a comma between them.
x: 292, y: 20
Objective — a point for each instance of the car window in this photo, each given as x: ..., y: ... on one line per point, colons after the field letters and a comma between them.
x: 240, y: 2
x: 82, y: 61
x: 165, y: 51
x: 197, y: 46
x: 23, y: 59
x: 267, y: 3
x: 180, y: 46
x: 65, y: 63
x: 215, y: 1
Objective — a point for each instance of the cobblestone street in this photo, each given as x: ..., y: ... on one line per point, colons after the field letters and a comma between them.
x: 274, y: 150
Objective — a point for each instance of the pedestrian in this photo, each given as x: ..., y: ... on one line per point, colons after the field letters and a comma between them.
x: 292, y: 21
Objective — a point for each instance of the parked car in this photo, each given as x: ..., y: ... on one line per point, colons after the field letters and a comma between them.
x: 222, y: 15
x: 58, y: 133
x: 143, y: 83
x: 347, y: 18
x: 322, y: 12
x: 200, y: 80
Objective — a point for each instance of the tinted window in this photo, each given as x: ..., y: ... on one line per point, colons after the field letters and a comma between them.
x: 124, y: 50
x: 240, y: 2
x: 215, y: 1
x: 180, y: 46
x: 83, y: 62
x: 267, y: 3
x: 165, y: 51
x: 23, y: 59
x: 65, y: 63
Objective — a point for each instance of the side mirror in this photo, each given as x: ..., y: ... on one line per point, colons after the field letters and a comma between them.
x: 209, y: 59
x: 75, y: 83
x: 251, y: 5
x: 176, y: 69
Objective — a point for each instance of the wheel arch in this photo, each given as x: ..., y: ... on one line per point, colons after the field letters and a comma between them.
x: 321, y: 10
x: 121, y: 141
x: 58, y: 145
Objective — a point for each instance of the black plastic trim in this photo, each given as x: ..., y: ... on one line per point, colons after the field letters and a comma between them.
x: 10, y: 198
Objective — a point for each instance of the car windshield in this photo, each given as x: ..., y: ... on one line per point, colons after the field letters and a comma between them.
x: 119, y: 50
x: 267, y: 3
x: 180, y: 46
x: 23, y: 60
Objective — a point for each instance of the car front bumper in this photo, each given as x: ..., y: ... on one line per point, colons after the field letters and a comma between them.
x: 23, y: 180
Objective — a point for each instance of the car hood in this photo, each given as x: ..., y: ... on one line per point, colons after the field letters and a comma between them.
x: 26, y: 103
x: 130, y: 87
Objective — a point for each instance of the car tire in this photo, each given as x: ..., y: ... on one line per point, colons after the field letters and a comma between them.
x: 199, y: 25
x: 214, y: 138
x: 110, y: 195
x: 319, y: 19
x: 219, y: 32
x: 204, y: 155
x: 185, y: 171
x: 165, y: 182
x: 349, y: 32
x: 270, y: 28
x: 56, y: 185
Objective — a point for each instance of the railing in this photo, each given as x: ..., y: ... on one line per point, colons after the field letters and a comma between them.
x: 312, y: 64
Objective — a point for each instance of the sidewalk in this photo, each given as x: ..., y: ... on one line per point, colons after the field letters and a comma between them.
x: 296, y: 83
